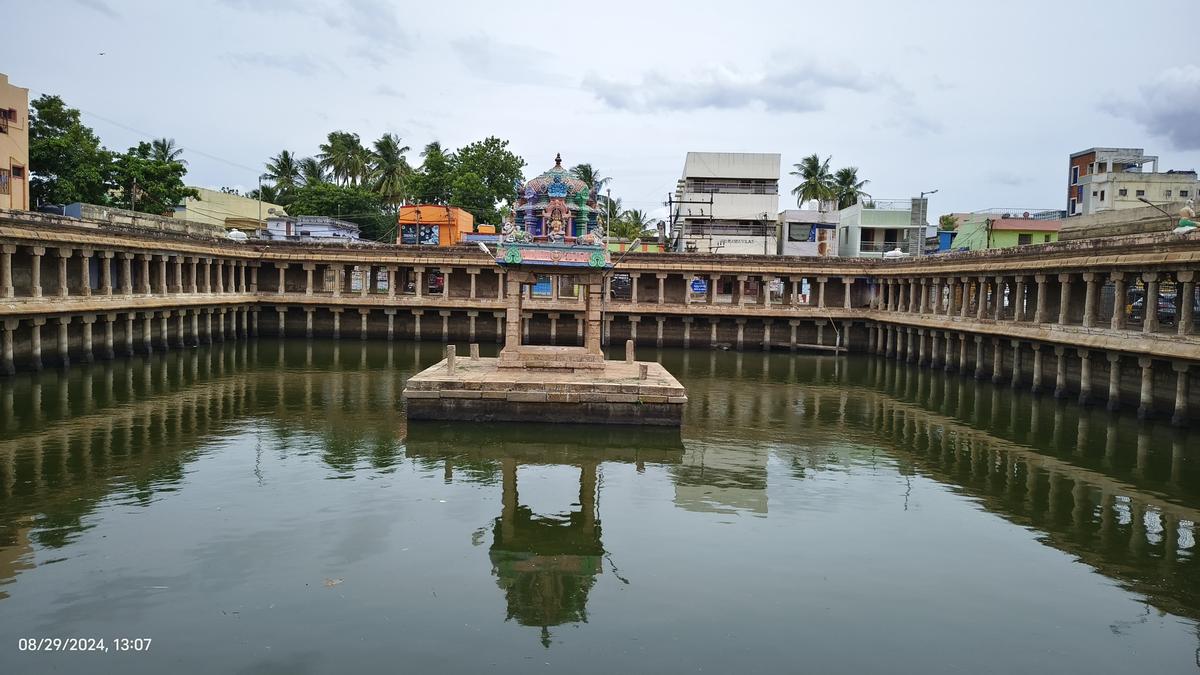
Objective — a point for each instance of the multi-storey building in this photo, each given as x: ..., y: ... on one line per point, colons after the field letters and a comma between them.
x: 869, y: 229
x: 1109, y: 179
x: 14, y: 145
x: 727, y: 202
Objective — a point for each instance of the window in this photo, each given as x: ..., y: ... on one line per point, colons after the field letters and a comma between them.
x: 18, y: 172
x: 1123, y: 192
x: 1046, y: 239
x: 1167, y: 193
x: 1102, y: 195
x: 1074, y: 206
x: 1095, y: 193
x: 3, y: 181
x: 1023, y: 239
x: 1183, y: 193
x: 1074, y: 175
x: 1140, y: 193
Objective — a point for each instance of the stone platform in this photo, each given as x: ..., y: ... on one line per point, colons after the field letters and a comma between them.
x: 479, y: 390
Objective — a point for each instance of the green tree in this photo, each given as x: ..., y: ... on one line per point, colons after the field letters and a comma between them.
x: 354, y: 204
x: 311, y: 172
x: 947, y: 222
x: 632, y: 224
x: 470, y: 193
x: 147, y: 183
x: 847, y: 188
x: 590, y: 176
x: 268, y: 193
x: 66, y: 160
x: 165, y: 150
x: 494, y: 164
x: 390, y: 170
x: 816, y: 183
x: 345, y: 158
x: 432, y: 183
x: 284, y: 171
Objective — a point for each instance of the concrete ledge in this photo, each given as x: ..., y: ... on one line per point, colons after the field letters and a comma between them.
x: 491, y: 410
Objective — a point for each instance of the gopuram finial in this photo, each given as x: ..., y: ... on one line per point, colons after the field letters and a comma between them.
x: 558, y: 159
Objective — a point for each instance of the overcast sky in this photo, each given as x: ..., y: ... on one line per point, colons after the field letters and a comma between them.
x: 983, y: 104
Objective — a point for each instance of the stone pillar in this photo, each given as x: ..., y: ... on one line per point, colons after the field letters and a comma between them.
x: 391, y: 323
x: 281, y: 320
x: 1114, y: 381
x: 1018, y: 299
x: 662, y: 290
x: 282, y: 269
x: 195, y: 314
x: 1120, y: 297
x: 1064, y: 299
x: 821, y: 281
x: 446, y: 272
x: 35, y: 271
x: 420, y: 285
x: 633, y: 326
x: 1180, y: 418
x: 445, y: 314
x: 64, y: 341
x: 309, y: 317
x: 337, y: 322
x: 164, y: 319
x: 1016, y: 364
x: 195, y: 264
x: 979, y: 371
x: 7, y: 362
x: 658, y: 339
x: 766, y: 340
x: 962, y: 349
x: 923, y: 302
x: 741, y: 289
x: 935, y: 340
x: 1085, y: 376
x: 88, y: 320
x: 6, y: 282
x: 146, y: 260
x: 339, y: 280
x: 162, y: 274
x: 308, y: 277
x: 741, y: 332
x: 1035, y: 383
x: 106, y: 272
x: 949, y: 363
x: 363, y: 315
x: 35, y: 341
x: 254, y: 277
x: 997, y: 362
x: 921, y: 333
x: 418, y: 313
x: 64, y: 254
x: 1039, y: 312
x: 965, y: 303
x: 687, y: 331
x: 1150, y: 305
x: 847, y: 282
x: 241, y: 267
x: 1146, y: 399
x: 109, y: 352
x: 1185, y: 301
x: 208, y: 329
x: 1092, y: 282
x: 1060, y: 372
x: 998, y: 287
x: 220, y: 311
x: 981, y: 298
x: 148, y: 332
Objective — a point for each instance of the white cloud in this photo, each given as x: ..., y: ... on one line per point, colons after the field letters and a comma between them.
x: 1170, y: 106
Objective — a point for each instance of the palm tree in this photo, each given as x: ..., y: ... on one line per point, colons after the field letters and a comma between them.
x: 344, y: 157
x: 815, y: 181
x: 631, y: 225
x: 165, y: 150
x: 847, y: 188
x: 284, y: 171
x: 311, y: 171
x: 390, y: 169
x: 590, y: 176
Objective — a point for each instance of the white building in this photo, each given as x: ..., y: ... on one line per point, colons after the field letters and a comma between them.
x: 808, y: 232
x: 300, y: 228
x: 727, y: 202
x: 870, y: 229
x: 1111, y: 179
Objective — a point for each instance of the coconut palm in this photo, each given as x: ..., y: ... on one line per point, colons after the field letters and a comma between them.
x: 631, y: 225
x: 847, y: 188
x: 590, y: 176
x: 816, y: 183
x: 284, y: 171
x: 165, y: 150
x: 311, y: 171
x: 390, y: 169
x: 344, y: 157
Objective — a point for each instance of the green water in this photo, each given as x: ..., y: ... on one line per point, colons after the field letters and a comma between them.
x: 265, y: 508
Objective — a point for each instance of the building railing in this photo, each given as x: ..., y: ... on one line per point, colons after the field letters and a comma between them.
x: 888, y: 204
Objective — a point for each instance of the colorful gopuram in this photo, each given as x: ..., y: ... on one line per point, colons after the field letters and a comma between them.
x: 555, y: 205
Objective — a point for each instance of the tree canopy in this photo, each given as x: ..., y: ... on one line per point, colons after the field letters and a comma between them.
x: 355, y: 204
x: 148, y: 181
x: 66, y: 160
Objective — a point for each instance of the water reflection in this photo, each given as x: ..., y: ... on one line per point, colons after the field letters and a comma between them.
x: 546, y: 563
x: 1119, y: 495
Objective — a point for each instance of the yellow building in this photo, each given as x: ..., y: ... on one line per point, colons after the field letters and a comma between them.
x: 14, y: 146
x: 227, y: 210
